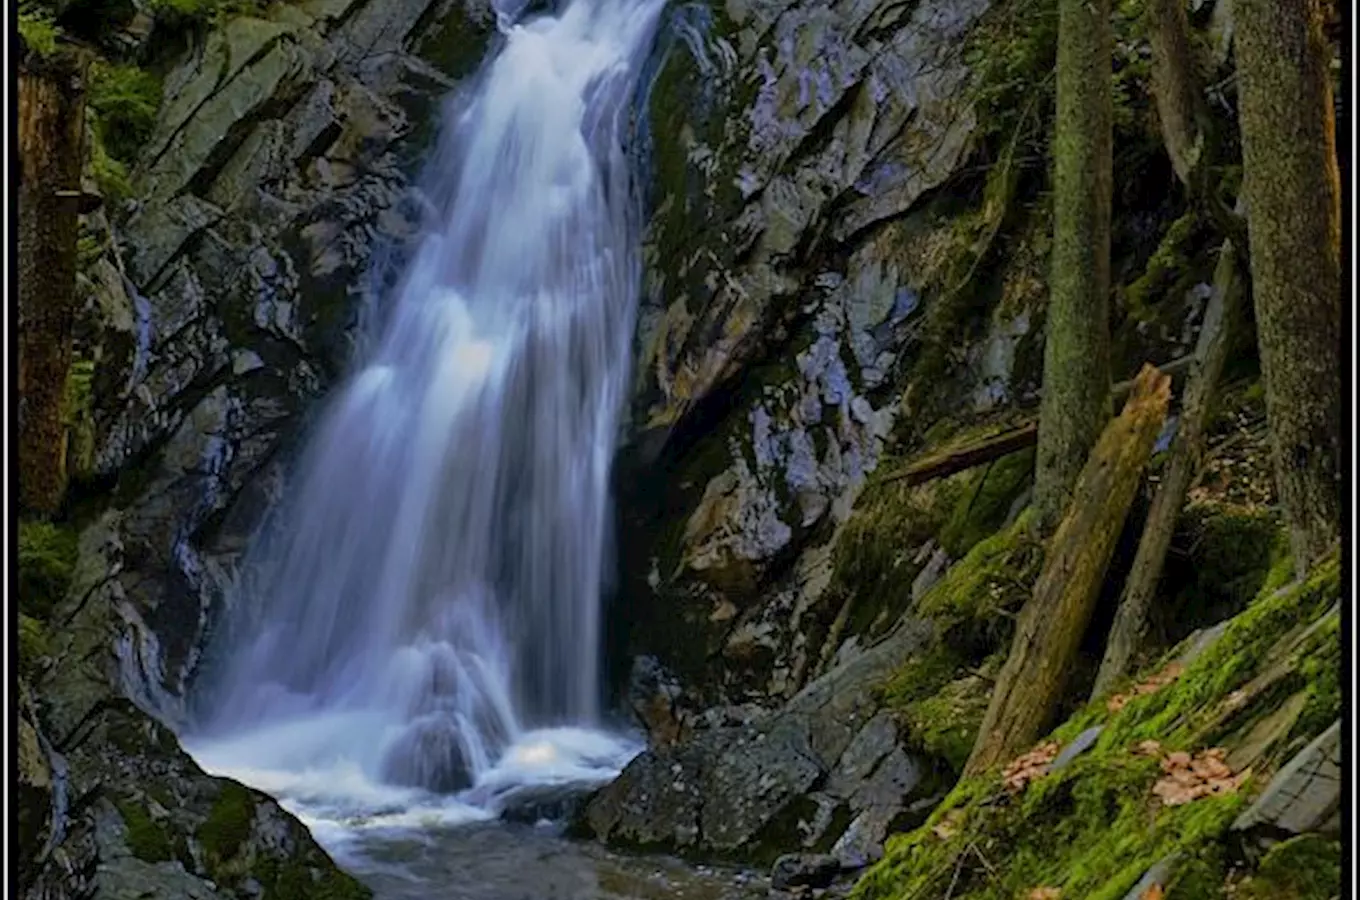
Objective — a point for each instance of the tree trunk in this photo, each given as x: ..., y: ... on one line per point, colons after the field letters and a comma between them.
x: 51, y: 129
x: 1051, y: 625
x: 1076, y: 389
x: 1175, y: 84
x: 1293, y: 196
x: 1186, y: 454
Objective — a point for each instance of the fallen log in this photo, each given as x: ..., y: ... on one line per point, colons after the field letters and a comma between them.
x: 1187, y: 453
x: 1051, y: 624
x: 1004, y: 443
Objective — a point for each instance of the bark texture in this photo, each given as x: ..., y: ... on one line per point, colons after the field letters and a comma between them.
x: 51, y: 128
x: 1051, y: 625
x: 1175, y: 84
x: 1187, y: 453
x: 1291, y: 186
x: 1076, y: 392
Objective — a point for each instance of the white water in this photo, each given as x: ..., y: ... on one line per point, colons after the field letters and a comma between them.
x: 430, y: 609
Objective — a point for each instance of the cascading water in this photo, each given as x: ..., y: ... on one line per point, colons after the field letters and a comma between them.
x: 431, y: 607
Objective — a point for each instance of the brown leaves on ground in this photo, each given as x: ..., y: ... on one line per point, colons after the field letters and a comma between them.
x: 1153, y: 891
x: 1045, y: 893
x: 1028, y: 766
x: 1150, y: 686
x: 949, y: 826
x: 1188, y: 777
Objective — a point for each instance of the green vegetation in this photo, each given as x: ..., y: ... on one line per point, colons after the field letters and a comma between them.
x: 942, y: 694
x: 1093, y: 827
x: 1169, y: 271
x: 1307, y: 867
x: 146, y: 838
x: 993, y: 579
x: 983, y: 508
x: 123, y: 102
x: 47, y: 559
x: 34, y: 644
x: 186, y: 13
x: 228, y: 824
x: 38, y: 31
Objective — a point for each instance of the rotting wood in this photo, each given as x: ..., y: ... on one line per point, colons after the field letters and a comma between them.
x: 1187, y: 454
x: 1051, y: 624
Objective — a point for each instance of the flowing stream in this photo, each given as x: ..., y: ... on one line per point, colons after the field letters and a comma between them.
x: 428, y: 645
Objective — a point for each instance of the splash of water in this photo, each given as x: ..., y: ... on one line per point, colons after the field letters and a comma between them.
x: 431, y: 621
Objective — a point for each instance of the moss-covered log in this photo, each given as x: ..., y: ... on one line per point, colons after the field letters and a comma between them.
x: 1051, y: 625
x: 1293, y: 195
x: 51, y: 132
x: 1186, y: 454
x: 1076, y: 391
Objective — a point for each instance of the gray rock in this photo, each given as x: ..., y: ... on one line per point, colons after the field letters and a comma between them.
x: 793, y: 870
x: 1080, y: 744
x: 744, y: 790
x: 1305, y: 795
x: 1160, y: 874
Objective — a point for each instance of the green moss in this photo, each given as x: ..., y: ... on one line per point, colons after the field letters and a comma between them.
x: 1307, y: 867
x: 985, y: 503
x: 1091, y: 830
x: 1094, y: 827
x: 296, y: 880
x: 146, y: 838
x: 228, y: 824
x: 34, y: 644
x: 37, y: 30
x: 874, y: 561
x: 1168, y: 269
x: 1233, y: 549
x: 1320, y: 670
x: 184, y: 13
x: 942, y: 723
x: 994, y: 578
x: 1177, y: 714
x: 47, y: 559
x: 123, y: 102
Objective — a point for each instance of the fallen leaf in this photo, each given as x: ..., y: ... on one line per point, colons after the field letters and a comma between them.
x: 947, y: 827
x: 1028, y: 766
x: 1046, y: 893
x: 1149, y: 748
x: 1152, y: 892
x: 1189, y: 777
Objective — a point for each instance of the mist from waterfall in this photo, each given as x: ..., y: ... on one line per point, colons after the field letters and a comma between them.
x: 430, y: 622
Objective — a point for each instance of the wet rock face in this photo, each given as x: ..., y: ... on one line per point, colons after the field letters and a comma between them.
x: 276, y: 184
x: 789, y: 142
x: 128, y: 813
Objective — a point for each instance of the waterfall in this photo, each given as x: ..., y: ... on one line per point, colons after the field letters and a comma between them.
x: 430, y: 617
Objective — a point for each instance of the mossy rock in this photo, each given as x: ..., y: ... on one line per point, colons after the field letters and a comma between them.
x: 34, y: 644
x: 228, y: 826
x: 148, y: 839
x: 986, y: 501
x: 1307, y: 867
x: 994, y: 579
x: 47, y: 560
x: 943, y: 723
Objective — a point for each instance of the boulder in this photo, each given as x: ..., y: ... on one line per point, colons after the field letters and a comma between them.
x: 790, y: 780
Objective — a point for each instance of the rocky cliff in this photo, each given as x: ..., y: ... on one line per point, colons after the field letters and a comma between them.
x: 845, y: 265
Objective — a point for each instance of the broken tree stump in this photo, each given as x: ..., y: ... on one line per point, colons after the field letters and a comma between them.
x: 1187, y: 453
x: 1050, y: 627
